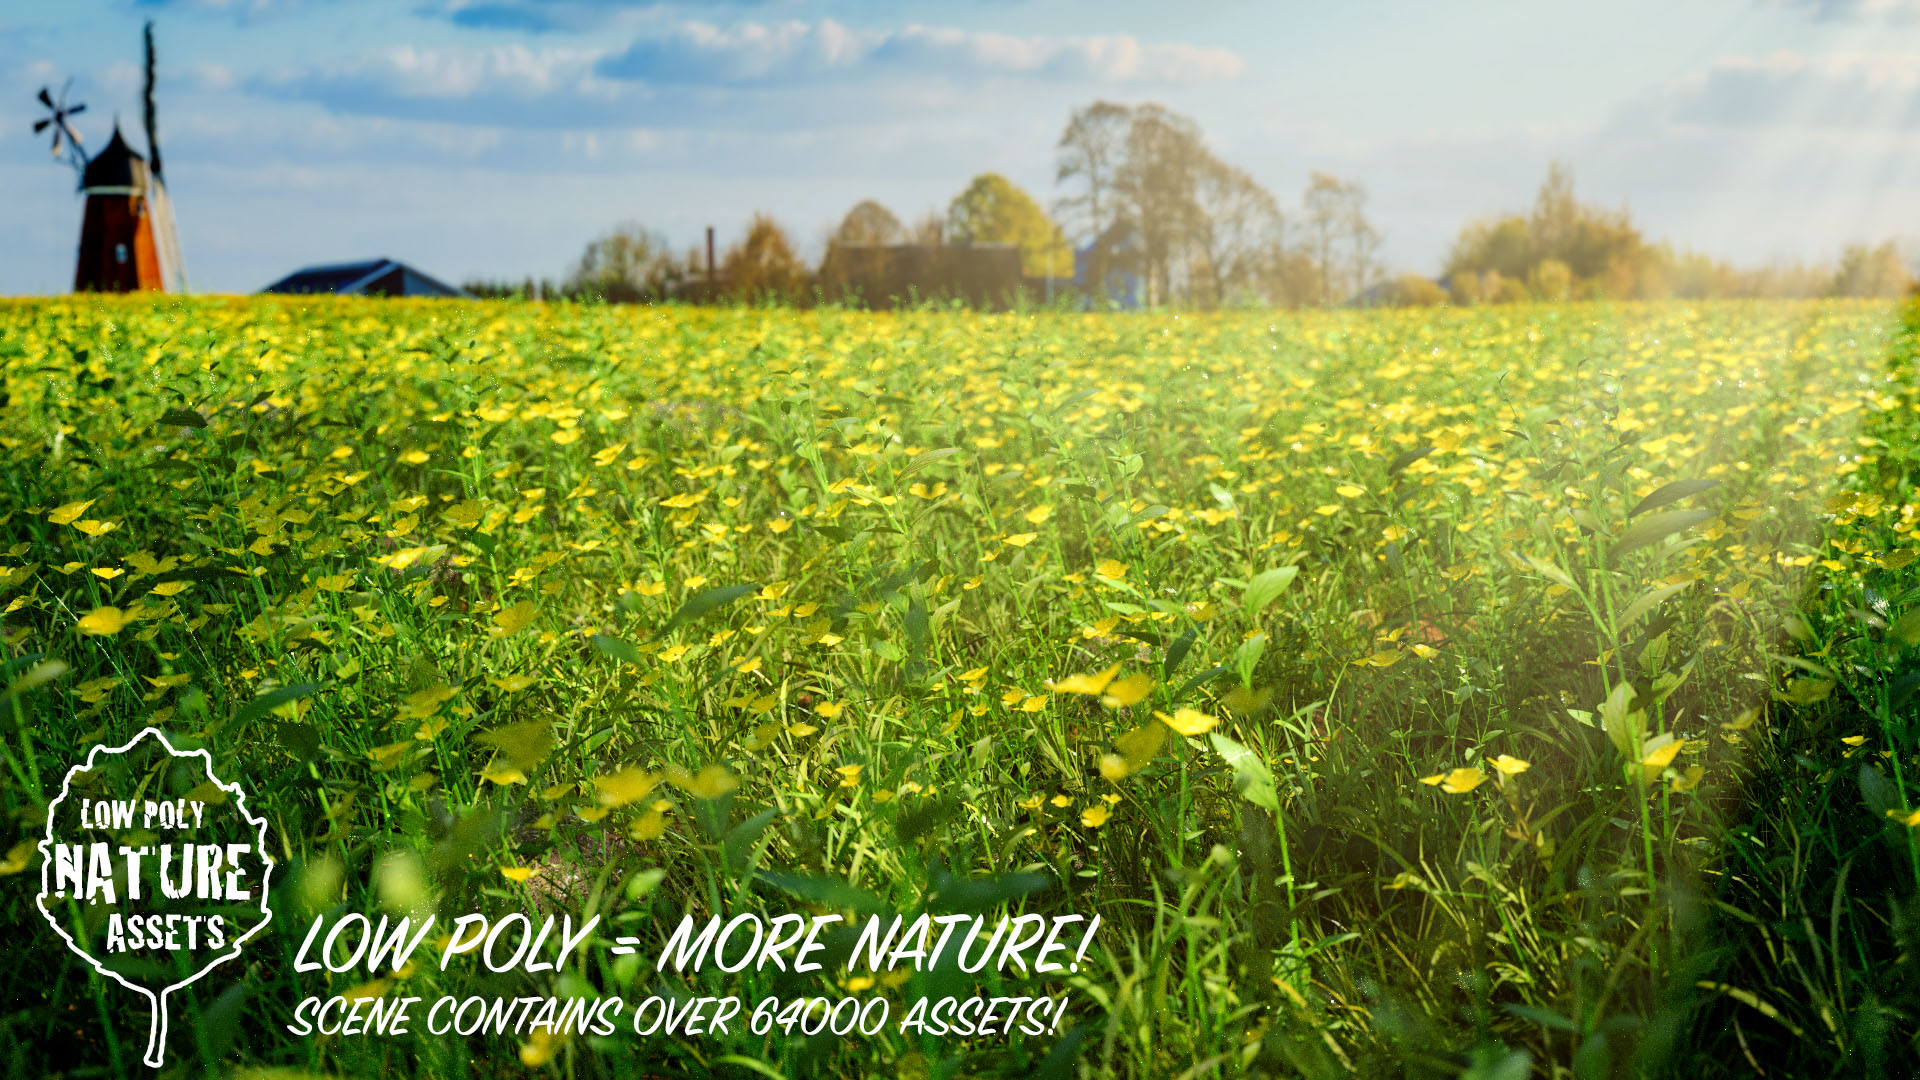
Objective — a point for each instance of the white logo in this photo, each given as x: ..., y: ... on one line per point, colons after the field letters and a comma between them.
x: 161, y: 888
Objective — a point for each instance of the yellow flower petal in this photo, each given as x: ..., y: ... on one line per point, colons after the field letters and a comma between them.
x: 1188, y: 722
x: 1128, y: 691
x: 103, y: 622
x: 1085, y: 684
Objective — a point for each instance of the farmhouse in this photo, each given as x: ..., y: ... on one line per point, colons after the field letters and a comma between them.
x: 372, y: 277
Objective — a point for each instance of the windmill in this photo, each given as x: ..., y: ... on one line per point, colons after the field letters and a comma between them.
x: 127, y: 241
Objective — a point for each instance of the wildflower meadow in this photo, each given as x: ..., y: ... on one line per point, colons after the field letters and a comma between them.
x: 1484, y: 691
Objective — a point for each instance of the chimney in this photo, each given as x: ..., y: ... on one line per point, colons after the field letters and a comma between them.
x: 709, y: 256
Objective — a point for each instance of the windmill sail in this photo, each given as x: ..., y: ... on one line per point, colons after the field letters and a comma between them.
x: 166, y: 243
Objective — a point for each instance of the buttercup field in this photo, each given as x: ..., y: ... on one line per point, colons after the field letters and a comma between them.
x: 1490, y: 691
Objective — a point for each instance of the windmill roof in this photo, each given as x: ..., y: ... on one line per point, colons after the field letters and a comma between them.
x: 117, y: 165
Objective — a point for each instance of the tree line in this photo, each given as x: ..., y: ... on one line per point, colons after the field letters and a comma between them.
x: 1154, y: 213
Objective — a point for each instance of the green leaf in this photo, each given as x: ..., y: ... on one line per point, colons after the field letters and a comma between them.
x: 1625, y: 727
x: 1907, y: 629
x: 703, y: 603
x: 1879, y: 793
x: 1652, y: 530
x: 272, y: 700
x: 1251, y: 777
x: 1177, y: 652
x: 1266, y: 587
x: 618, y: 649
x: 921, y: 461
x: 178, y: 417
x: 1671, y: 493
x: 1408, y: 457
x: 1550, y: 572
x: 1649, y: 600
x: 825, y: 891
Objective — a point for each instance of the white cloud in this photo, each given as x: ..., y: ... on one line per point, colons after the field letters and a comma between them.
x: 697, y: 53
x: 1833, y: 91
x: 1834, y: 10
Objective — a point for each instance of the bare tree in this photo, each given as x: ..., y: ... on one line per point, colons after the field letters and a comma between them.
x: 1340, y: 241
x: 1157, y: 183
x: 1089, y: 156
x: 1237, y: 227
x: 929, y: 229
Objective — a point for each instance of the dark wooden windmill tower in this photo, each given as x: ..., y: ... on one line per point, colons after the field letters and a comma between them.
x: 127, y: 242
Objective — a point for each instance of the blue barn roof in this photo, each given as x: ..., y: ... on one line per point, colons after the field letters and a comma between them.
x: 373, y: 277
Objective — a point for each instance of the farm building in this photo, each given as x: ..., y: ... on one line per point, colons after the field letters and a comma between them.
x: 374, y: 277
x: 986, y: 276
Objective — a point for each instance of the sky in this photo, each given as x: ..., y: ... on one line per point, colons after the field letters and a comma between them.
x: 495, y: 138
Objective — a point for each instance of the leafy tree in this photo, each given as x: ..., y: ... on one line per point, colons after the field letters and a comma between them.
x: 993, y: 210
x: 868, y: 224
x: 763, y: 264
x: 1871, y: 271
x: 629, y: 263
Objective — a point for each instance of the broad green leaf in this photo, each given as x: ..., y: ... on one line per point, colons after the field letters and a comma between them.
x: 1649, y: 600
x: 921, y: 461
x: 704, y: 603
x: 179, y: 417
x: 827, y: 892
x: 1266, y: 587
x: 1907, y: 628
x: 1671, y: 493
x: 1623, y: 725
x: 272, y: 700
x: 1408, y: 457
x: 1652, y: 530
x: 1251, y: 777
x: 1550, y: 572
x: 618, y: 649
x: 1177, y: 651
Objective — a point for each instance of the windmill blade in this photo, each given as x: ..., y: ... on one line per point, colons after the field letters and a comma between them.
x: 153, y: 127
x: 77, y: 109
x: 46, y: 98
x: 41, y: 125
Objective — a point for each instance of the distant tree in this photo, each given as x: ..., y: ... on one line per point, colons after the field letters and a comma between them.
x: 1339, y: 239
x: 1601, y: 250
x: 629, y: 263
x: 929, y: 229
x: 1237, y: 228
x: 1158, y: 185
x: 763, y: 264
x: 1088, y: 159
x: 1550, y: 279
x: 1414, y: 290
x: 1871, y: 271
x: 993, y: 210
x: 1465, y: 287
x: 868, y: 224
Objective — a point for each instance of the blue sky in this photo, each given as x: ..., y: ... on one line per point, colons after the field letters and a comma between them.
x: 496, y: 137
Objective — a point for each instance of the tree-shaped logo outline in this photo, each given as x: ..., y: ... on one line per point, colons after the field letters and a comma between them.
x: 157, y: 1033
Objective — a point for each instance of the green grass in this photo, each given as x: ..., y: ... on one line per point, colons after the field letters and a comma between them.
x: 396, y: 508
